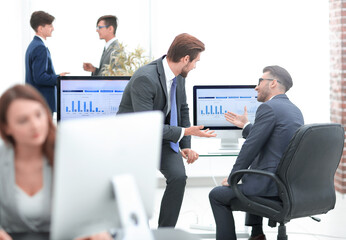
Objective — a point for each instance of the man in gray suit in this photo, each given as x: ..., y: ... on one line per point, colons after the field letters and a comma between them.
x: 160, y: 86
x: 276, y: 121
x: 106, y: 28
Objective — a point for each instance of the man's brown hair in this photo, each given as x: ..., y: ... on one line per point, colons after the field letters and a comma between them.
x: 110, y: 20
x: 184, y: 44
x: 40, y: 18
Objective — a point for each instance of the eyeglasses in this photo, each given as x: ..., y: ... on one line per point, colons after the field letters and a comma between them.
x: 269, y: 79
x: 99, y: 27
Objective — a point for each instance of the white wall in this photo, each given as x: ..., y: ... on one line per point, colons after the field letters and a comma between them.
x: 75, y: 39
x: 11, y: 57
x: 241, y: 37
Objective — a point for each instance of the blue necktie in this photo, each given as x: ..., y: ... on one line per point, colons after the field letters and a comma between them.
x: 174, y: 117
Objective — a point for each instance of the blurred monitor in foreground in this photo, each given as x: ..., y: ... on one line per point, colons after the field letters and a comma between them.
x: 89, y: 152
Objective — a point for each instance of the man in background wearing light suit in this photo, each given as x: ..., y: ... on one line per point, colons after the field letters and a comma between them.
x: 276, y: 121
x: 150, y: 89
x: 106, y: 27
x: 38, y: 62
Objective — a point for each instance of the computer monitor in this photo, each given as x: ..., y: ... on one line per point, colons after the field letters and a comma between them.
x: 211, y: 102
x: 89, y: 96
x: 89, y: 152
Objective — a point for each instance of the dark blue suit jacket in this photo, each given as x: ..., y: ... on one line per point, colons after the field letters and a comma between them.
x: 40, y: 71
x: 276, y: 122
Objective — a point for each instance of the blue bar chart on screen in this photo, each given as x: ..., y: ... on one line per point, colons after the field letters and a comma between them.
x: 212, y: 104
x: 90, y: 97
x: 94, y: 102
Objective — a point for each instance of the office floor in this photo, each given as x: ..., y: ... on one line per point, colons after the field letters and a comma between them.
x: 196, y: 215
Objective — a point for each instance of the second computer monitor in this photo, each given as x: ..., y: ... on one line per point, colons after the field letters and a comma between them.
x: 211, y: 102
x: 86, y: 97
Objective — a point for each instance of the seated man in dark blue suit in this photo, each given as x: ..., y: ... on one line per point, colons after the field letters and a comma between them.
x: 276, y: 121
x: 38, y: 62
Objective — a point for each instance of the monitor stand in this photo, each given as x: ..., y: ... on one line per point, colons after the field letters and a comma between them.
x: 229, y: 146
x: 133, y: 219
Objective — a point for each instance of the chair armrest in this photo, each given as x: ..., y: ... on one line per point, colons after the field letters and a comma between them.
x: 283, y: 194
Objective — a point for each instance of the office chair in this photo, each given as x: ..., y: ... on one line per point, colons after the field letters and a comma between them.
x: 304, y: 178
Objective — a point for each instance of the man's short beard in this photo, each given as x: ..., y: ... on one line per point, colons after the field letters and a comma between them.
x: 183, y: 74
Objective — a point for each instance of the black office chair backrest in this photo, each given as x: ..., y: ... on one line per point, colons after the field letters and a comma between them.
x: 308, y: 167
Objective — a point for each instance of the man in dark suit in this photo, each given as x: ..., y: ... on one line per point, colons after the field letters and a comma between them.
x: 38, y: 62
x: 160, y: 86
x: 106, y: 27
x: 276, y: 121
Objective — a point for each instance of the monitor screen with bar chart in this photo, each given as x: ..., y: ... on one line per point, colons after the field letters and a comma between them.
x: 213, y: 101
x: 86, y: 96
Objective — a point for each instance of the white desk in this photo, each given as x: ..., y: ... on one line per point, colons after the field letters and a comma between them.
x: 210, y: 147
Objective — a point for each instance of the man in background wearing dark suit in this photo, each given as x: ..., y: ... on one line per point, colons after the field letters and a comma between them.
x: 38, y: 62
x: 160, y: 86
x: 276, y: 121
x: 106, y: 27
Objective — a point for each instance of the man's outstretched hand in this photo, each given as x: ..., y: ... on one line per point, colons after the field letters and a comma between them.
x: 197, y: 131
x: 236, y: 119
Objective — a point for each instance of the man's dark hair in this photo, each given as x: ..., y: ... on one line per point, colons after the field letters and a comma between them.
x: 110, y: 20
x: 184, y: 44
x: 40, y: 18
x: 281, y: 75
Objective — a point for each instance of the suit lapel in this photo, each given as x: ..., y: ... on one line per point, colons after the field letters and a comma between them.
x: 162, y: 77
x: 102, y: 57
x: 180, y: 84
x: 109, y: 50
x: 49, y: 64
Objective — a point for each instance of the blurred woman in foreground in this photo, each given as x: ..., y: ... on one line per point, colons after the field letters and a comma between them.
x: 26, y: 162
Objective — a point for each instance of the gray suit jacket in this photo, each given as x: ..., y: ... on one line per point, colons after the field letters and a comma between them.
x: 113, y: 49
x: 147, y: 91
x: 11, y: 220
x: 276, y: 122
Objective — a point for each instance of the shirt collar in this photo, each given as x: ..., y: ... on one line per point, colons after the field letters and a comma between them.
x: 168, y: 72
x: 109, y: 43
